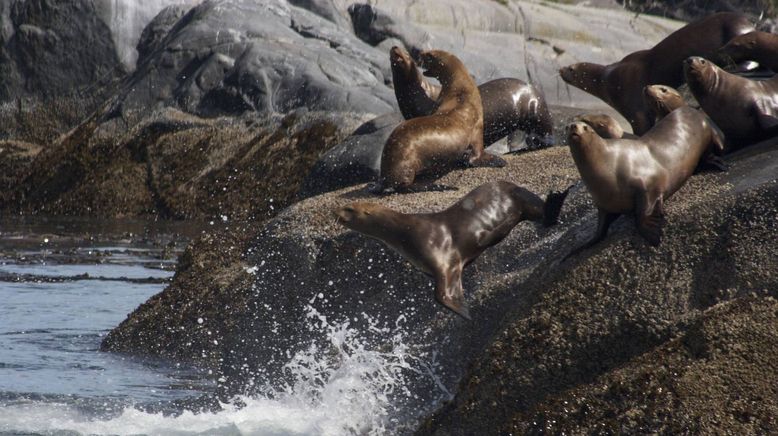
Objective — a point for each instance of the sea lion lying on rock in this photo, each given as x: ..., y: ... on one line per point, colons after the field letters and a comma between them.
x: 760, y: 47
x: 746, y: 110
x: 442, y: 244
x: 452, y: 135
x: 621, y: 84
x: 636, y: 176
x: 508, y: 104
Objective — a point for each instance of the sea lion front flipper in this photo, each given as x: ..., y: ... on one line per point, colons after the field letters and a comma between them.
x: 768, y: 123
x: 604, y: 221
x: 449, y: 292
x: 650, y: 217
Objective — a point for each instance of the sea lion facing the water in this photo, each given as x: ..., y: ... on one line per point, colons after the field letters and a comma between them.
x: 746, y: 110
x: 636, y: 176
x: 435, y: 143
x: 621, y: 84
x: 442, y: 244
x: 508, y: 104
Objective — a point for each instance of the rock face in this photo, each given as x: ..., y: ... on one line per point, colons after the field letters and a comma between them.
x: 542, y: 327
x: 50, y: 48
x: 175, y: 165
x: 268, y: 56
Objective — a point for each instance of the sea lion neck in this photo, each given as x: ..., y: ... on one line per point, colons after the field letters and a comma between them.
x: 394, y: 228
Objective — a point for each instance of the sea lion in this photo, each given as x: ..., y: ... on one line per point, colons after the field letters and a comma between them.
x: 508, y: 104
x: 437, y: 142
x: 442, y: 244
x: 760, y: 47
x: 746, y: 110
x: 638, y: 175
x: 605, y: 125
x: 621, y: 84
x: 661, y: 100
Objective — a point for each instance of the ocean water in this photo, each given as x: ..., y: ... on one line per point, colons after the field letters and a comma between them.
x: 61, y: 293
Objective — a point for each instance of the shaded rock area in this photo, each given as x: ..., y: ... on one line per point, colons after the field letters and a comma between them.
x: 540, y: 327
x: 50, y: 49
x: 690, y: 10
x: 175, y: 165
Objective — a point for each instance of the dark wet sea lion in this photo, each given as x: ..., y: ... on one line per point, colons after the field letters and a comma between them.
x: 605, y: 125
x: 436, y: 143
x: 746, y: 110
x: 442, y: 244
x: 508, y: 104
x: 621, y: 84
x: 761, y: 47
x: 636, y: 176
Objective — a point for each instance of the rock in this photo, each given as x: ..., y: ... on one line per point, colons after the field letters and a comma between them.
x: 542, y: 327
x: 265, y: 56
x: 50, y: 49
x: 716, y: 377
x: 692, y: 10
x: 176, y: 165
x: 154, y: 32
x: 353, y: 161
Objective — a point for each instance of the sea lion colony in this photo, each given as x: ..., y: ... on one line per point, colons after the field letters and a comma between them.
x: 632, y: 174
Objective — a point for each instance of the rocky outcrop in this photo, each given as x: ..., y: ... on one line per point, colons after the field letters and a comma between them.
x: 542, y: 327
x: 175, y: 165
x: 50, y: 48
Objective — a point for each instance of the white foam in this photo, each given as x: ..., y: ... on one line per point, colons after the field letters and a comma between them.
x: 347, y: 388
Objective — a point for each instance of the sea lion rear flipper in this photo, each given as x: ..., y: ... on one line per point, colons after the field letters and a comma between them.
x: 650, y: 217
x: 449, y: 292
x: 553, y: 206
x: 487, y: 160
x: 714, y: 162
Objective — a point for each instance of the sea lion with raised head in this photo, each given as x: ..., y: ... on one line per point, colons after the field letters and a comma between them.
x: 436, y: 143
x: 746, y: 110
x: 605, y: 126
x: 442, y: 244
x: 621, y: 84
x: 760, y: 47
x: 508, y: 104
x: 661, y: 100
x: 636, y: 176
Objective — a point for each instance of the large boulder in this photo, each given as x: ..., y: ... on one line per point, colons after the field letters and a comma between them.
x: 50, y: 48
x: 540, y: 326
x: 263, y: 56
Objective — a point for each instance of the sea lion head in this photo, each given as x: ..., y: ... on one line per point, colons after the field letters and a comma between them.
x: 662, y: 99
x: 399, y: 58
x: 581, y: 137
x: 740, y: 48
x: 437, y: 63
x: 361, y: 216
x: 583, y: 75
x: 701, y: 75
x: 604, y: 125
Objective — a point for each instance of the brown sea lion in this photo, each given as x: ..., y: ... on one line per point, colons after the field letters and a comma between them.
x: 605, y: 125
x: 636, y: 176
x: 760, y: 47
x: 508, y: 104
x: 746, y: 110
x: 621, y: 84
x: 437, y: 142
x: 661, y: 100
x: 442, y: 244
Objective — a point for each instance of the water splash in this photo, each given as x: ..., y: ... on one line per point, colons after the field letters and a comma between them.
x: 345, y: 386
